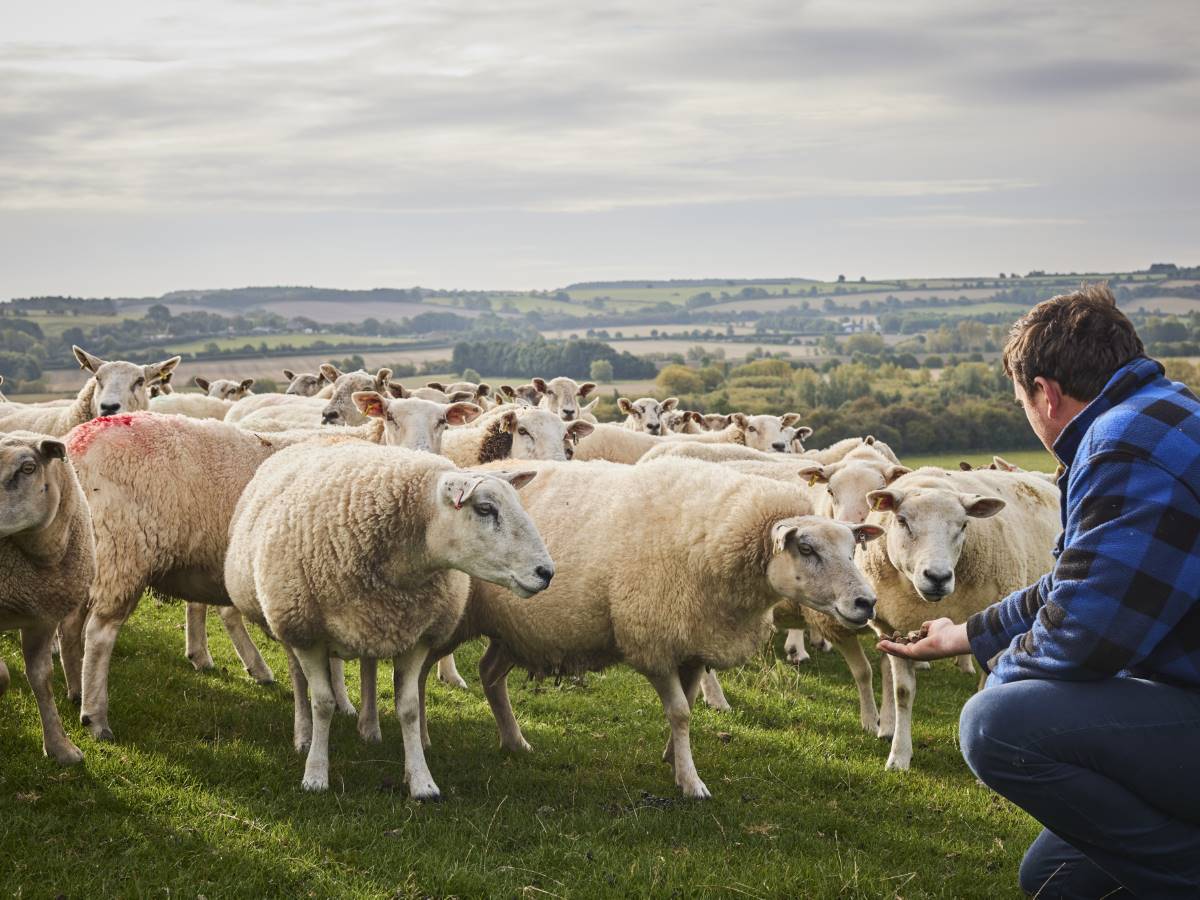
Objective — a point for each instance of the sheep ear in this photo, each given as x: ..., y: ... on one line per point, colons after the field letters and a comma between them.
x: 517, y: 479
x: 382, y: 377
x: 590, y: 406
x: 370, y: 403
x: 201, y: 383
x: 508, y: 422
x: 893, y: 472
x: 869, y: 440
x: 540, y: 384
x: 789, y: 419
x: 289, y: 374
x: 888, y: 500
x: 1004, y: 465
x: 397, y: 390
x: 586, y: 388
x: 780, y: 535
x: 330, y: 372
x: 965, y: 466
x: 813, y: 474
x: 483, y: 390
x: 803, y: 433
x: 436, y: 385
x: 462, y: 413
x: 52, y: 449
x: 626, y: 407
x: 160, y: 370
x: 508, y: 390
x: 669, y: 404
x: 865, y: 533
x: 321, y: 377
x: 247, y: 383
x: 738, y: 419
x: 460, y: 396
x: 86, y: 360
x: 978, y: 507
x: 579, y: 429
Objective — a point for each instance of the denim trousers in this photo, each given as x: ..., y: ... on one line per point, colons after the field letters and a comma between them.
x: 1112, y: 771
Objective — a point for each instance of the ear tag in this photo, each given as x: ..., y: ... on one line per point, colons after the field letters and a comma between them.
x: 458, y: 503
x: 876, y: 504
x: 812, y: 480
x: 466, y: 492
x: 861, y: 538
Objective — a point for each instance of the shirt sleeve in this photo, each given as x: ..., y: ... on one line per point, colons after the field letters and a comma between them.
x: 1118, y: 586
x: 992, y: 630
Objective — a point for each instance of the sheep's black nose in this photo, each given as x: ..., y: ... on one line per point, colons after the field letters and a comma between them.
x: 865, y: 605
x: 653, y: 429
x: 109, y: 409
x: 937, y: 578
x: 568, y: 415
x: 779, y: 446
x: 545, y: 573
x: 328, y: 417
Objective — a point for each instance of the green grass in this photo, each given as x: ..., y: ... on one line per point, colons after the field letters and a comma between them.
x: 297, y: 340
x: 1035, y: 460
x: 200, y: 795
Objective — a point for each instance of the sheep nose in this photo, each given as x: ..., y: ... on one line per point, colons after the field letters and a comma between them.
x: 568, y: 415
x: 109, y: 409
x: 937, y: 578
x: 779, y: 446
x: 653, y: 429
x: 865, y: 605
x: 329, y: 416
x: 545, y: 573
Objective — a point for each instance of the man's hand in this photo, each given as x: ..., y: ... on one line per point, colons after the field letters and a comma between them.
x: 943, y: 639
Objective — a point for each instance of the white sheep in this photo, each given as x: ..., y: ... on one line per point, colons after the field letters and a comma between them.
x: 374, y: 570
x: 223, y: 388
x: 776, y: 434
x: 198, y: 406
x: 513, y: 432
x: 114, y: 387
x: 341, y: 409
x: 525, y: 394
x: 836, y: 451
x: 704, y: 555
x: 562, y: 396
x: 684, y: 421
x: 48, y: 559
x: 646, y: 413
x: 956, y: 541
x: 168, y: 532
x: 303, y: 384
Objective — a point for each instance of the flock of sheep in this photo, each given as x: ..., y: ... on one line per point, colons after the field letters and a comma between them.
x: 353, y: 518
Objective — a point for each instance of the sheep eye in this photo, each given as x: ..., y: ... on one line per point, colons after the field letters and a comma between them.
x: 903, y: 522
x: 28, y: 467
x: 441, y: 423
x: 523, y: 431
x: 139, y: 382
x: 805, y: 549
x: 485, y: 509
x: 752, y: 430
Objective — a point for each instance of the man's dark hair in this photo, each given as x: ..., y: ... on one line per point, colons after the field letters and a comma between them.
x: 1078, y: 340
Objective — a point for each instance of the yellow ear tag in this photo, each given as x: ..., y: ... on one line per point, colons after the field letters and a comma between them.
x: 875, y: 504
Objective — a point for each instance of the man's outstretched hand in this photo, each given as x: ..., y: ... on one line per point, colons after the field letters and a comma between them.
x: 942, y: 639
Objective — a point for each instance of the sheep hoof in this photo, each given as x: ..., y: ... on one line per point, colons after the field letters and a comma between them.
x: 427, y: 795
x: 870, y: 726
x: 99, y: 730
x: 346, y: 708
x: 721, y: 705
x: 519, y: 745
x: 66, y: 755
x: 897, y: 763
x: 825, y: 647
x: 696, y: 791
x: 202, y: 663
x: 796, y: 658
x: 302, y: 745
x: 315, y: 783
x: 371, y: 734
x: 265, y: 677
x: 455, y: 681
x: 884, y: 734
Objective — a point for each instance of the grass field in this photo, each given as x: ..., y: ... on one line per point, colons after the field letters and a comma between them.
x: 200, y: 795
x: 1035, y: 460
x: 295, y: 339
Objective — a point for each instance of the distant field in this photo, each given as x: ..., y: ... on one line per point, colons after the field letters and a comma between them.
x: 665, y: 331
x: 848, y: 301
x: 275, y: 340
x: 1178, y: 305
x: 1034, y: 460
x: 731, y: 350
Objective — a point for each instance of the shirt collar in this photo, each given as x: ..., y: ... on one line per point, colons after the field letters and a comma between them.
x: 1127, y: 379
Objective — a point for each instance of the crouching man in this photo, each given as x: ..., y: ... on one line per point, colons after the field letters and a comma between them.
x: 1091, y: 717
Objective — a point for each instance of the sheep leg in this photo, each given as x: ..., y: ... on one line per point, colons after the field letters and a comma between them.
x: 819, y: 642
x: 887, y: 715
x: 904, y: 684
x: 368, y: 708
x: 675, y: 705
x: 3, y: 678
x: 302, y: 711
x: 337, y: 676
x: 39, y: 664
x: 70, y: 642
x: 196, y: 637
x: 860, y: 669
x: 494, y: 666
x: 448, y: 672
x: 692, y: 680
x: 316, y: 664
x: 100, y: 636
x: 256, y: 667
x: 793, y: 647
x: 425, y: 670
x: 421, y: 785
x: 714, y: 694
x: 965, y: 664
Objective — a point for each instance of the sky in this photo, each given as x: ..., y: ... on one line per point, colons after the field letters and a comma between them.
x: 153, y: 145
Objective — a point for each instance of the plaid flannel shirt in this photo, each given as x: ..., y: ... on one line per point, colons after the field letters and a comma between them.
x: 1124, y: 595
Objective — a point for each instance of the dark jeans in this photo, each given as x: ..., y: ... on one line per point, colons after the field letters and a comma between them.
x: 1110, y: 768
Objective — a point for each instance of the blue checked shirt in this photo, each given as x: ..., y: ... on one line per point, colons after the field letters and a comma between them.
x: 1124, y: 595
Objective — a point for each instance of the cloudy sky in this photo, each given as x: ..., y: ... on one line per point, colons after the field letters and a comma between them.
x: 147, y: 145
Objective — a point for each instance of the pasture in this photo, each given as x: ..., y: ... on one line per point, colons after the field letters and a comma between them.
x: 200, y: 794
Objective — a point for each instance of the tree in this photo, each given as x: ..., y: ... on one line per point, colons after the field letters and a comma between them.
x: 470, y: 374
x: 864, y: 343
x: 841, y: 279
x: 601, y: 371
x: 678, y: 380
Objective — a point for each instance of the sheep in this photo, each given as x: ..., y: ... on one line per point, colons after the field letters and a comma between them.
x: 694, y: 587
x: 223, y: 388
x: 715, y: 421
x: 384, y: 541
x: 645, y: 414
x: 836, y: 451
x: 283, y: 416
x: 718, y: 452
x: 331, y: 406
x: 779, y: 434
x: 524, y: 395
x: 616, y: 443
x: 1000, y: 464
x: 168, y: 533
x: 198, y: 406
x: 48, y: 558
x: 163, y: 387
x: 341, y: 409
x: 113, y: 387
x: 480, y: 393
x: 562, y: 395
x: 303, y: 384
x: 958, y: 540
x: 514, y: 432
x: 683, y: 421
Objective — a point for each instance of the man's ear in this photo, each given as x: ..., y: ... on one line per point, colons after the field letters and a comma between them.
x: 462, y: 413
x: 370, y: 403
x: 86, y: 360
x: 201, y: 383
